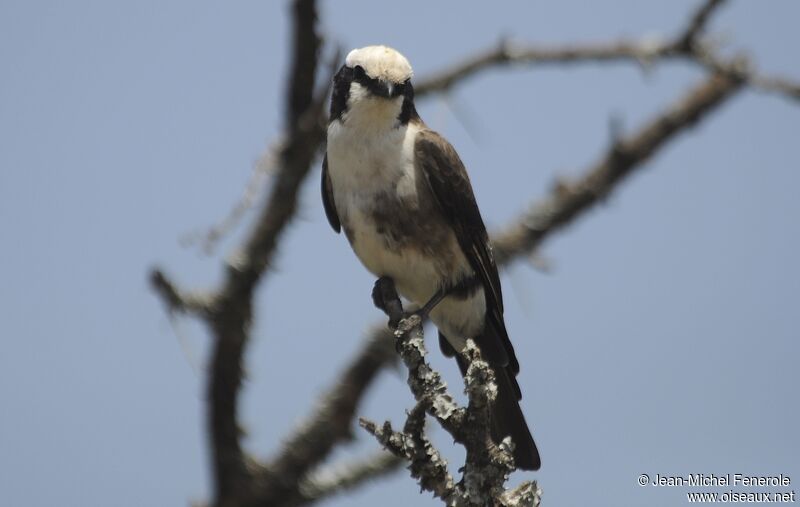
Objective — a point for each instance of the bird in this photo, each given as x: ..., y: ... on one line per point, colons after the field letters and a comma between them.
x: 405, y: 202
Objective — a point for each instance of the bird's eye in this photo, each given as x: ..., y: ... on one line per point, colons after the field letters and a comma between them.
x: 358, y: 72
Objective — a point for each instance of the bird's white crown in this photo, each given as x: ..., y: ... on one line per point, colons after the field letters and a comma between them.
x: 381, y: 62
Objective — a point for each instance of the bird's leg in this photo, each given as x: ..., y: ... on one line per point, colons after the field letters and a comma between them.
x: 385, y: 298
x: 431, y: 304
x: 384, y: 295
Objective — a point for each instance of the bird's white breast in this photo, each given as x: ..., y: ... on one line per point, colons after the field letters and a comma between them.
x: 365, y: 163
x: 368, y: 161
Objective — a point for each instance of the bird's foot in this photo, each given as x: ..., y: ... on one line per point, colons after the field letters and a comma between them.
x: 384, y: 295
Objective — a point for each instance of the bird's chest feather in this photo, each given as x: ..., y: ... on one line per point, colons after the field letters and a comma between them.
x: 366, y: 162
x: 385, y: 206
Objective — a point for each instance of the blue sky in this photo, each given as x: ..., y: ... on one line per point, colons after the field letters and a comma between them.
x: 663, y: 341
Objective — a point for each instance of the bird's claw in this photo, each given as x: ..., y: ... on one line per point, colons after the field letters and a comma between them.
x: 385, y: 298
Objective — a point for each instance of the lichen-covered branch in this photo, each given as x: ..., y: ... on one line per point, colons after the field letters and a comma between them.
x: 488, y: 465
x: 425, y: 462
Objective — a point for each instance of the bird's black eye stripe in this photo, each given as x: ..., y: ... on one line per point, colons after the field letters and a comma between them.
x: 358, y: 73
x: 401, y: 88
x: 360, y: 76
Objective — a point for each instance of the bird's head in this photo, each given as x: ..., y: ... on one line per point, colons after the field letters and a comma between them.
x: 375, y: 80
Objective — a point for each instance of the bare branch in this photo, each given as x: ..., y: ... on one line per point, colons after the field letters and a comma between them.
x: 312, y: 441
x: 644, y: 51
x: 623, y: 157
x: 209, y: 238
x: 343, y: 477
x: 302, y: 76
x: 230, y: 317
x: 778, y: 85
x: 505, y: 54
x: 697, y: 24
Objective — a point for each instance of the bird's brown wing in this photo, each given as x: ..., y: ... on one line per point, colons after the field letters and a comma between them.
x: 450, y: 185
x: 448, y: 180
x: 327, y: 197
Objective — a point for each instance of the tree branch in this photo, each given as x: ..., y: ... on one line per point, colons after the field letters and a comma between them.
x: 507, y: 54
x: 175, y: 299
x: 570, y: 199
x: 776, y: 84
x: 331, y: 423
x: 426, y: 463
x: 697, y: 25
x: 229, y: 316
x: 487, y: 466
x: 686, y: 45
x: 340, y: 478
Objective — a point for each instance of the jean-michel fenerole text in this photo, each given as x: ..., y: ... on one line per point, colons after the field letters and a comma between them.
x: 722, y: 480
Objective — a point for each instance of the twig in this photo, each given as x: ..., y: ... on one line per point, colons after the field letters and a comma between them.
x: 697, y: 24
x: 778, y: 85
x: 209, y: 238
x: 175, y: 299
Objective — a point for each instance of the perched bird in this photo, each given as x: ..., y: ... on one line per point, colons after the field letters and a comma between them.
x: 405, y: 202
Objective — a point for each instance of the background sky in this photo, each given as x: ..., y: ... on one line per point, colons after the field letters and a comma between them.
x: 663, y: 341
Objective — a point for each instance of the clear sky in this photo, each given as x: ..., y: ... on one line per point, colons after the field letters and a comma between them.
x: 663, y: 341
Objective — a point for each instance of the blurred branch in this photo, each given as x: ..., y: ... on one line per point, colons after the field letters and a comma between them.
x: 506, y: 53
x: 686, y: 45
x: 777, y: 85
x: 311, y: 442
x: 697, y: 25
x: 570, y: 199
x: 231, y: 320
x: 230, y: 316
x: 209, y: 238
x: 175, y: 299
x: 339, y: 478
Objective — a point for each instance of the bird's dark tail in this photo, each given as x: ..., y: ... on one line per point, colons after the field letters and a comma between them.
x: 507, y: 417
x: 507, y: 420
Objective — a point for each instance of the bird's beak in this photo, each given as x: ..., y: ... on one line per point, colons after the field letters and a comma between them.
x: 385, y: 89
